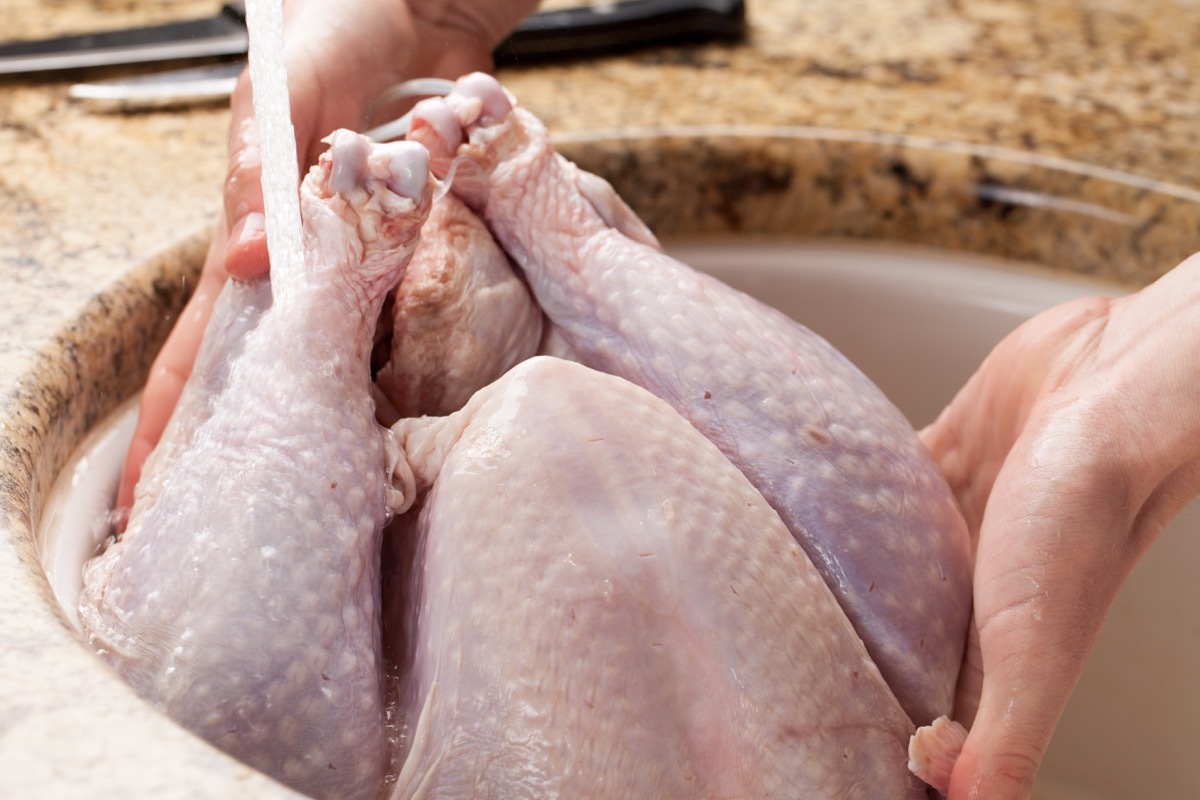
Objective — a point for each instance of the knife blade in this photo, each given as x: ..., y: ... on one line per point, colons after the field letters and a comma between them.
x: 220, y: 35
x: 546, y: 35
x: 172, y: 88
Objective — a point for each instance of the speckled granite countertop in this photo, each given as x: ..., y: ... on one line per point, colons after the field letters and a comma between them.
x: 1057, y: 131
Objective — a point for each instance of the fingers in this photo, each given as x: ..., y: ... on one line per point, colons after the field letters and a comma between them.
x: 171, y: 369
x: 339, y: 59
x: 1071, y: 511
x: 1024, y: 447
x: 1048, y: 567
x: 1070, y: 450
x: 972, y: 437
x: 245, y: 254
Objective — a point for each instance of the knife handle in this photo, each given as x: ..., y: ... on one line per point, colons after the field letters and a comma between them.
x: 608, y: 28
x: 620, y: 26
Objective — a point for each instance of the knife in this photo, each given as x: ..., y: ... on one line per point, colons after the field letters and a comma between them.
x: 546, y: 35
x: 222, y: 35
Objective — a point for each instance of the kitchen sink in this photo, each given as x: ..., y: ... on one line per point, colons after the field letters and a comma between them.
x: 918, y: 321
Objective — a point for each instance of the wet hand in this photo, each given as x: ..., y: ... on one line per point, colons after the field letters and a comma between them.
x: 340, y: 56
x: 1070, y: 450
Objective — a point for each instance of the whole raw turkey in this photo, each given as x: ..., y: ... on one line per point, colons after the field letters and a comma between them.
x: 692, y: 552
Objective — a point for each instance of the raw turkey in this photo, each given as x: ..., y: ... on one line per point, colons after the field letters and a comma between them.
x: 589, y: 624
x: 694, y: 554
x: 243, y: 598
x: 829, y: 452
x: 459, y: 319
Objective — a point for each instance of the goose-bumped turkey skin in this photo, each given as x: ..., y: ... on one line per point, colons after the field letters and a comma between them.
x: 692, y: 553
x: 243, y: 599
x: 591, y: 624
x: 830, y: 453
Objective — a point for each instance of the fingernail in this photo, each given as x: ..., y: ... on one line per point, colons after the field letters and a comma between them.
x: 246, y: 250
x: 248, y: 228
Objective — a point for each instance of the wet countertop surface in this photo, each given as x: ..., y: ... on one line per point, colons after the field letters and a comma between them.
x: 1056, y: 131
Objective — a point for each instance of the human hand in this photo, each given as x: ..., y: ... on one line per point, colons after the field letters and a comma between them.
x: 340, y: 56
x: 1070, y: 449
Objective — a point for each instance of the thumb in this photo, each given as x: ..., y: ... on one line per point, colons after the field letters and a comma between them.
x: 246, y: 249
x: 1008, y: 739
x: 1054, y: 548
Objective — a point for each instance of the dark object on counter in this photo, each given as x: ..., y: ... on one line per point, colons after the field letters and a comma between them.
x: 546, y: 35
x: 620, y: 27
x: 222, y: 35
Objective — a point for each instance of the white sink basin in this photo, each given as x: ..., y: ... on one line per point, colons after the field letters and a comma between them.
x: 918, y: 322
